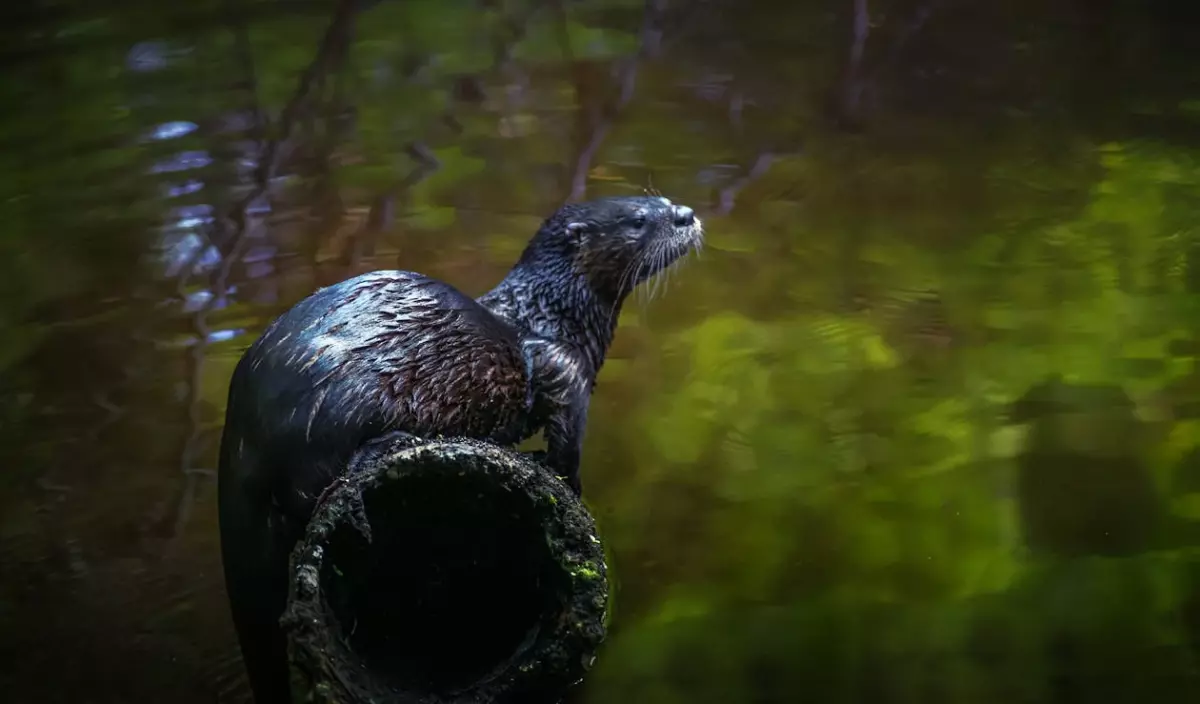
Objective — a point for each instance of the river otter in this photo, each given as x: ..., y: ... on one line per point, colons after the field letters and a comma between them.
x: 396, y: 351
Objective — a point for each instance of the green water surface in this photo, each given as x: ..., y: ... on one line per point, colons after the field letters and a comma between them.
x: 921, y: 425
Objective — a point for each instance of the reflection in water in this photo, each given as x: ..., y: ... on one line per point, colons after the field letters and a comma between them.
x: 810, y: 462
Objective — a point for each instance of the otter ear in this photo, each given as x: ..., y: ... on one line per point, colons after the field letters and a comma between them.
x: 577, y: 230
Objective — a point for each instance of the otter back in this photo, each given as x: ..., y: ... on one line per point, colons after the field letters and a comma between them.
x: 380, y: 351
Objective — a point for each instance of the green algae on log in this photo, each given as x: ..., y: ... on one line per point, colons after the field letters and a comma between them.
x: 445, y: 572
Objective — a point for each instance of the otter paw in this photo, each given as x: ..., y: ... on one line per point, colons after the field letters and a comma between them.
x: 376, y: 447
x: 538, y: 456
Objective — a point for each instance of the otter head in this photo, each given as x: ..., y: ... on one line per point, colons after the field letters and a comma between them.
x: 617, y: 243
x: 575, y: 273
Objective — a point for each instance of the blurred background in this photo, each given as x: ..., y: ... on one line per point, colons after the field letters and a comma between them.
x: 922, y: 424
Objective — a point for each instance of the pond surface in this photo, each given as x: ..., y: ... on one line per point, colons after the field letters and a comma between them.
x: 921, y: 425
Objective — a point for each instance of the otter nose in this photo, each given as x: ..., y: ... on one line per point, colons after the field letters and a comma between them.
x: 684, y: 216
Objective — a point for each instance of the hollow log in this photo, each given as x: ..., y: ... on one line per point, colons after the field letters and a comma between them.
x: 445, y: 572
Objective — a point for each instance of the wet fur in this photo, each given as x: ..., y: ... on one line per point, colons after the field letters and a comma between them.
x: 395, y: 351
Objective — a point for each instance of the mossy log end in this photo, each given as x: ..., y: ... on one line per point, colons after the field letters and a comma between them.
x: 445, y: 572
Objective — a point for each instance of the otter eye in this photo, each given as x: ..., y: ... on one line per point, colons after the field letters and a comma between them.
x: 639, y: 221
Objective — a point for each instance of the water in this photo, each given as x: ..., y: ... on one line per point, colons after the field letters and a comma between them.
x: 920, y: 425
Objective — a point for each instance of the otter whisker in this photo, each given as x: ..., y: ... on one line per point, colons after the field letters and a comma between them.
x: 650, y: 258
x: 629, y: 280
x: 667, y: 262
x: 659, y: 265
x: 645, y: 269
x: 652, y: 265
x: 641, y: 283
x: 670, y: 266
x: 664, y: 265
x: 624, y: 280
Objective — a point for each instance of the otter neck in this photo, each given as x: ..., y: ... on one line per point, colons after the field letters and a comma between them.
x: 554, y: 301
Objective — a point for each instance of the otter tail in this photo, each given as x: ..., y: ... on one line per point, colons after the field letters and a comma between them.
x: 255, y: 563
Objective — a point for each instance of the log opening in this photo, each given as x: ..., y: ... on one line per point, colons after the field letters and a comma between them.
x: 449, y: 571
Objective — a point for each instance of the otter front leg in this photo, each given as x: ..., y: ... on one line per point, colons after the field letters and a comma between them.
x: 564, y: 441
x: 562, y: 390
